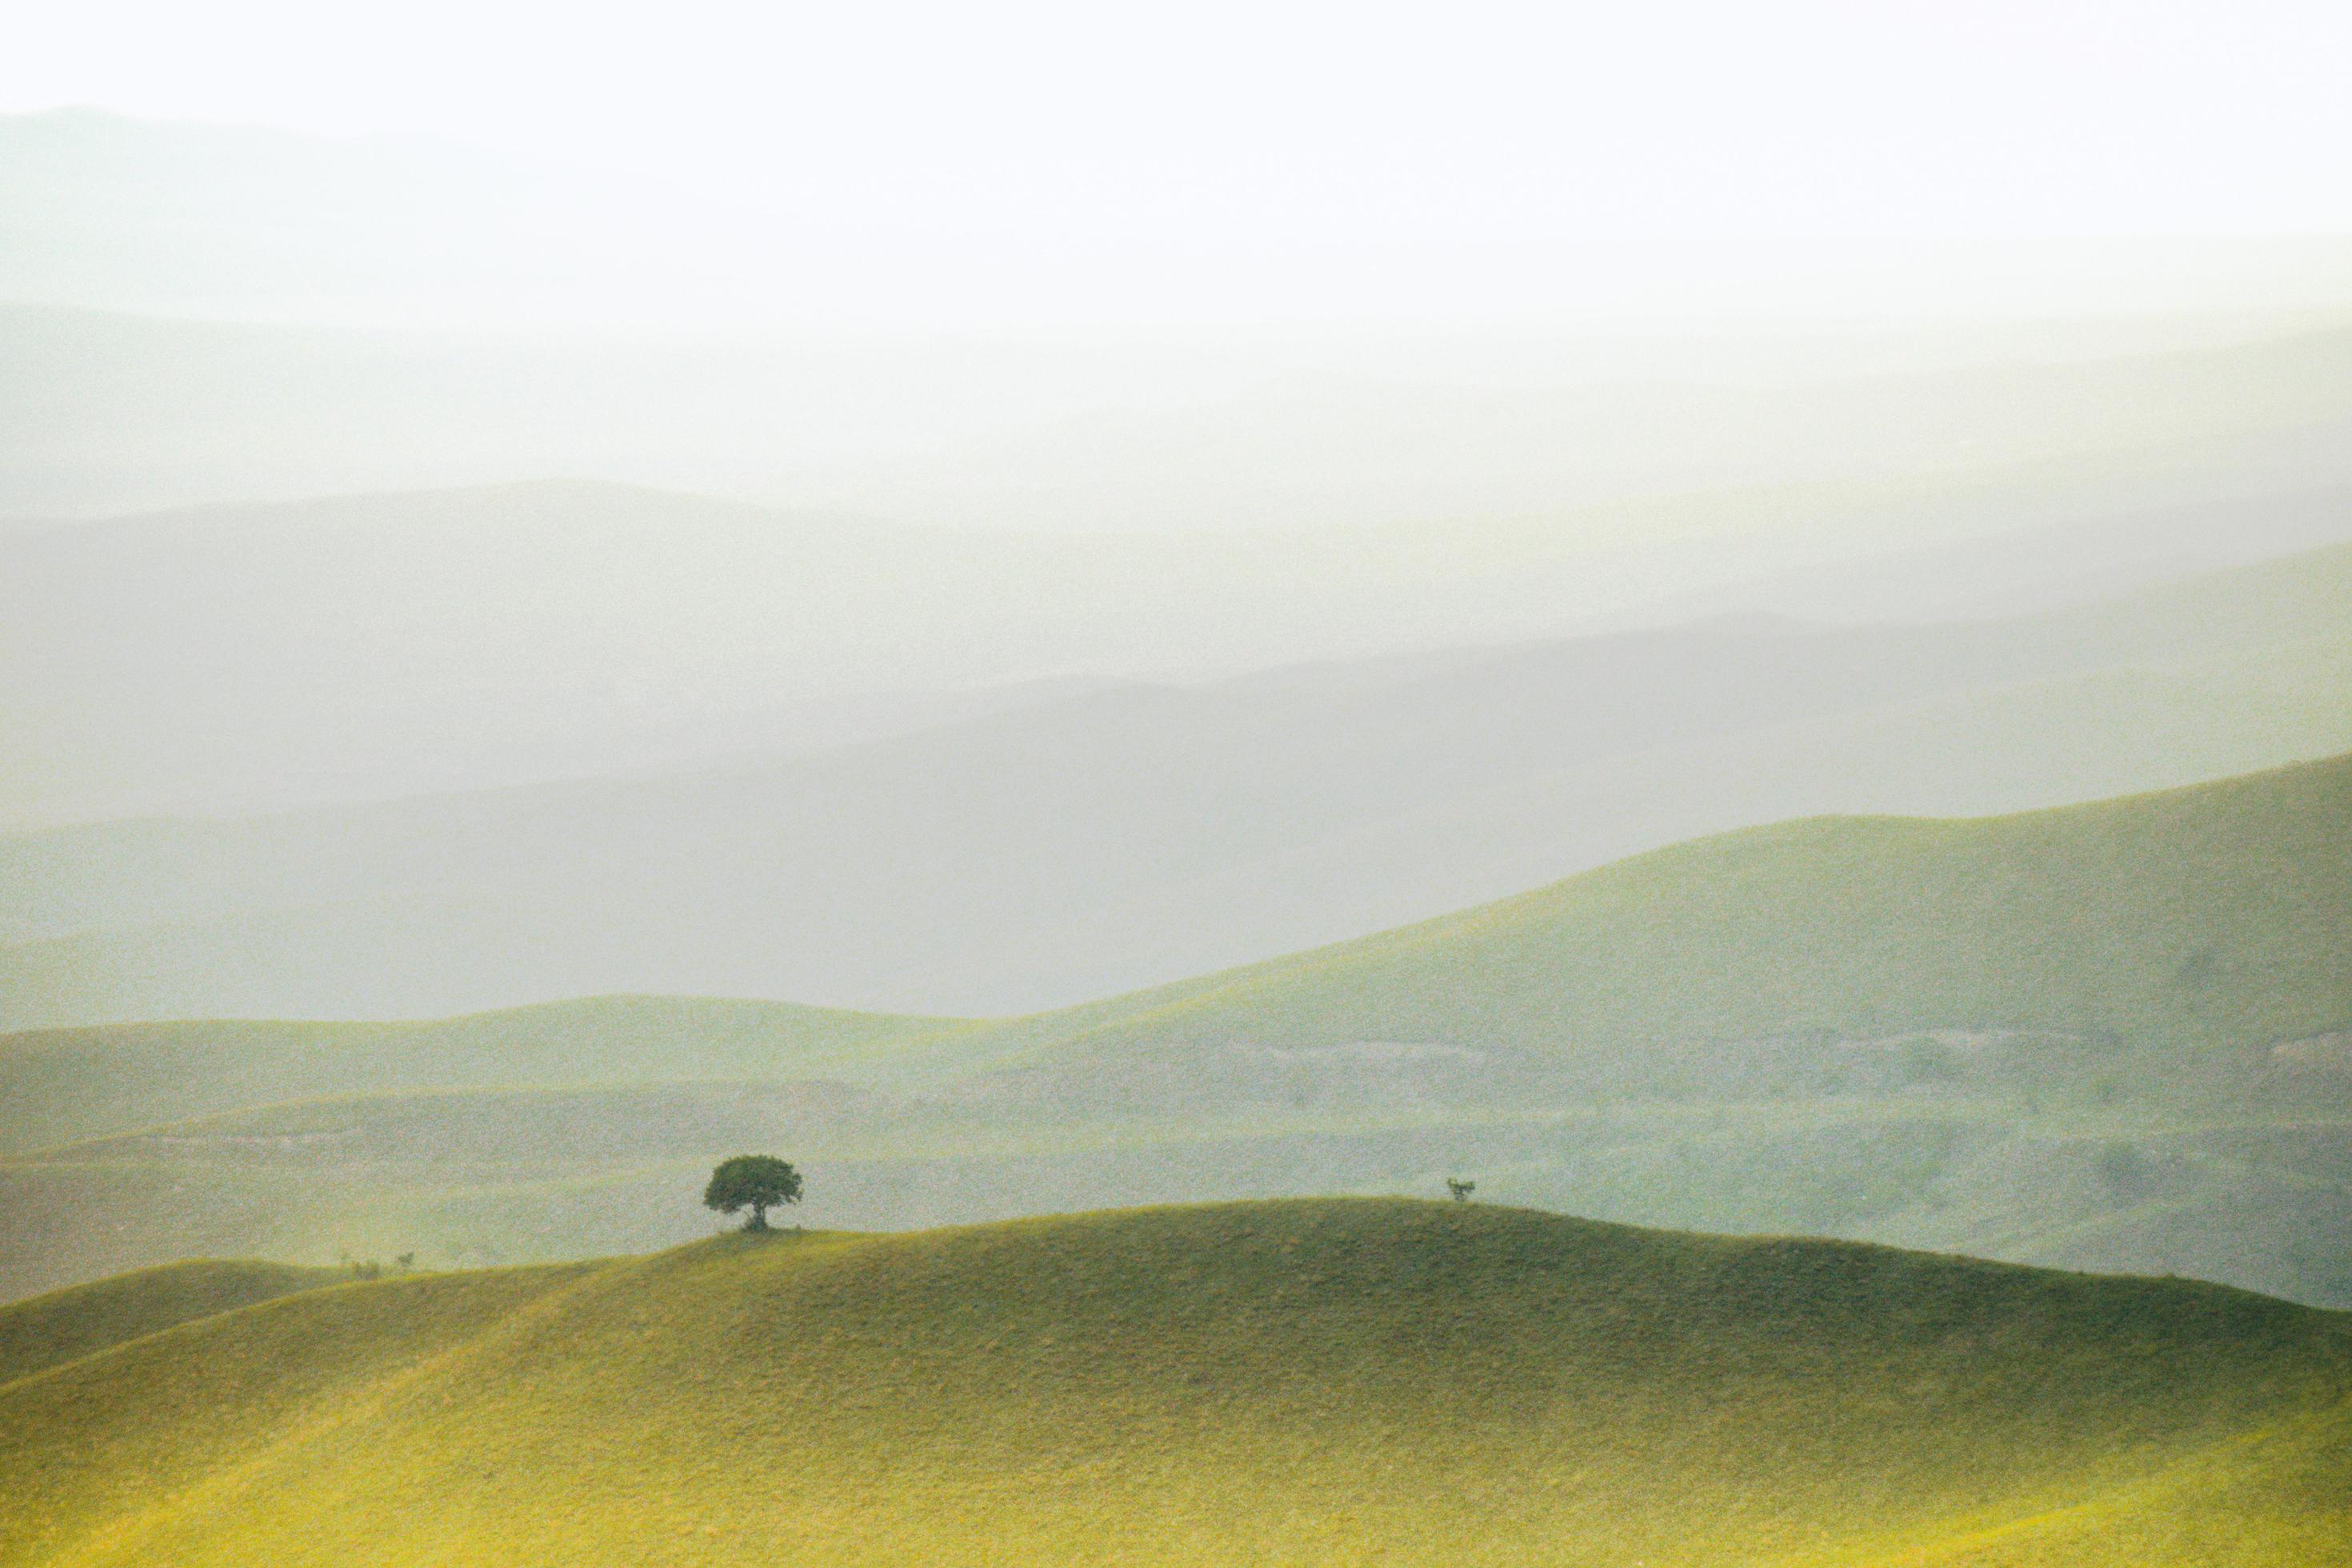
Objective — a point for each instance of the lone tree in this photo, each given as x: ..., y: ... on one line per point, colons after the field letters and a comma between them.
x: 752, y: 1182
x: 1460, y: 1189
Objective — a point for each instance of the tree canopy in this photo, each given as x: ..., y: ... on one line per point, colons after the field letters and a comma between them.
x: 755, y: 1182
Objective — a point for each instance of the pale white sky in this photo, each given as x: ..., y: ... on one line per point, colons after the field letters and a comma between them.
x: 1343, y: 156
x: 1319, y: 123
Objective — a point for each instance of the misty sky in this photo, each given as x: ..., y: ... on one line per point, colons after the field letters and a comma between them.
x: 1031, y: 161
x: 1311, y: 125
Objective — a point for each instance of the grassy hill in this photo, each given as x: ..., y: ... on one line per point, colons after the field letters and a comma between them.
x: 1322, y: 1381
x: 2095, y: 1036
x: 2189, y: 921
x: 66, y: 1325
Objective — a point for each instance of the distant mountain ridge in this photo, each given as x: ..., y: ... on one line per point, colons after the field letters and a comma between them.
x: 1125, y: 835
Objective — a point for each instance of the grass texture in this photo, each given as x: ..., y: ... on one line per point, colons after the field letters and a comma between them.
x: 1322, y: 1381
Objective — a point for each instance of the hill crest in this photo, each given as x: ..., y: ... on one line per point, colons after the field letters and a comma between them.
x: 1229, y: 1382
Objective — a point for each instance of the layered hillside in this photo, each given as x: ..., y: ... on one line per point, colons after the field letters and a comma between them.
x: 1059, y: 850
x: 2111, y: 1036
x: 1260, y: 1383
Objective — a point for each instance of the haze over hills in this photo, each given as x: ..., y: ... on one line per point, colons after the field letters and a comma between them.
x: 2045, y: 565
x: 1219, y: 429
x: 390, y: 646
x: 2130, y: 429
x: 1239, y: 1383
x: 1129, y: 835
x: 255, y: 656
x: 2109, y: 1036
x: 251, y: 656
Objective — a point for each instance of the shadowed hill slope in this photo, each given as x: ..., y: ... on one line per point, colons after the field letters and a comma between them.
x: 66, y: 1325
x: 1291, y: 1382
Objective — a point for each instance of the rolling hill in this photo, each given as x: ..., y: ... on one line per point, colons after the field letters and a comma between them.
x: 2191, y: 923
x: 1319, y: 1380
x: 2109, y: 1036
x: 66, y: 1325
x: 1114, y: 837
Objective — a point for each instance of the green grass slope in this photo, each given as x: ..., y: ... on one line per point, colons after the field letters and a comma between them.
x: 1304, y: 1382
x: 66, y: 1325
x: 91, y: 1445
x: 2186, y: 922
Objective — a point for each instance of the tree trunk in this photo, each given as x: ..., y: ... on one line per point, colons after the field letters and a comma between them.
x: 759, y: 1217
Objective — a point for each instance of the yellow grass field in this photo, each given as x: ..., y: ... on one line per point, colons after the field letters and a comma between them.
x: 1353, y: 1381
